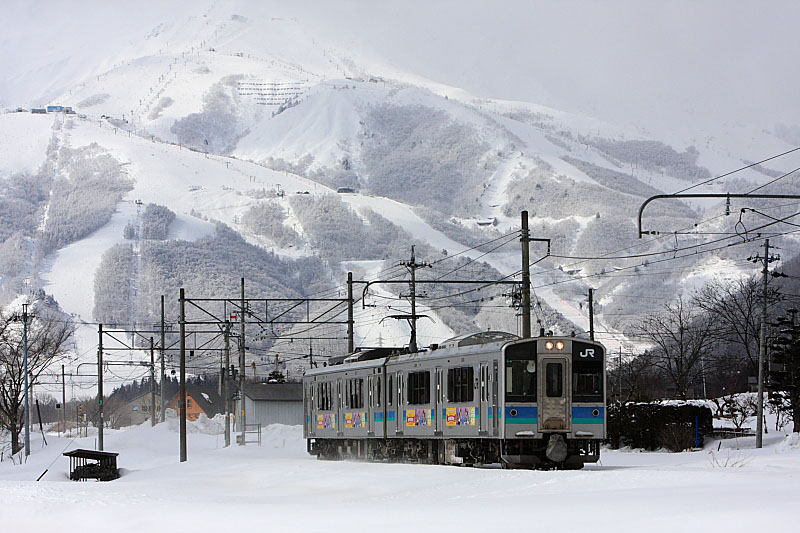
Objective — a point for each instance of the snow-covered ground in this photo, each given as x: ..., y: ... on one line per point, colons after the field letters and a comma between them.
x: 278, y: 487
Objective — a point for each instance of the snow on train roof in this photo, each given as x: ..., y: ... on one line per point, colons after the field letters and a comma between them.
x: 483, y: 337
x: 378, y: 356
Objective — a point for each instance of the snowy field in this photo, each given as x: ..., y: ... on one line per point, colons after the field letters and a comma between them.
x: 278, y: 487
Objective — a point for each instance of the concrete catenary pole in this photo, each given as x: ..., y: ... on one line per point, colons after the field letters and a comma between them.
x: 526, y: 276
x: 162, y: 349
x: 152, y: 384
x: 350, y: 339
x: 25, y: 370
x: 242, y: 369
x: 100, y: 388
x: 762, y: 350
x: 182, y: 399
x: 226, y: 395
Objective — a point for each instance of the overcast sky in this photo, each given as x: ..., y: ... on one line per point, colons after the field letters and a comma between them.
x: 638, y: 60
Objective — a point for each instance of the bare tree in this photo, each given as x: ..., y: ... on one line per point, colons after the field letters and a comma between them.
x: 48, y: 341
x: 682, y: 336
x: 736, y: 309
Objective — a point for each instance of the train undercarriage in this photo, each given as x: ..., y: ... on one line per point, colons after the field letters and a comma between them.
x: 569, y: 454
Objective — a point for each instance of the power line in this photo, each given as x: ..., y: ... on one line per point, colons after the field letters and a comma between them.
x: 739, y: 170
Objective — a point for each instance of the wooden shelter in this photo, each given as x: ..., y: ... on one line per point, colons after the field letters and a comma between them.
x: 92, y: 464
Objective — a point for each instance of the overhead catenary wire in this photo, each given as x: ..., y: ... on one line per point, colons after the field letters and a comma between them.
x: 751, y: 165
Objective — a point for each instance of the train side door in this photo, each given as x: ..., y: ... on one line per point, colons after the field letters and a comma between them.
x: 308, y: 403
x: 370, y: 403
x: 400, y: 418
x: 554, y: 389
x: 339, y: 400
x: 483, y: 391
x: 494, y: 404
x: 438, y: 402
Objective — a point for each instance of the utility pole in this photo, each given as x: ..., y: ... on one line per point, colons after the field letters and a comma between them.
x: 526, y: 277
x: 63, y: 399
x: 242, y: 369
x: 100, y: 388
x: 152, y: 384
x: 25, y: 366
x: 350, y: 340
x: 762, y: 349
x: 224, y: 377
x: 161, y: 348
x: 182, y: 399
x: 619, y: 374
x: 412, y: 267
x: 591, y: 314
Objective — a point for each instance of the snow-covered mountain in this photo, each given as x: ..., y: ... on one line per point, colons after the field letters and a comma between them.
x: 243, y: 124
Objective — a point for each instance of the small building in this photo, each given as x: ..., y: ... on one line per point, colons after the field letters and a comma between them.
x: 199, y: 400
x: 135, y: 412
x: 273, y: 403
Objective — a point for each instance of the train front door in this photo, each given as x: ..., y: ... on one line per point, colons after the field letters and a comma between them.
x: 554, y: 387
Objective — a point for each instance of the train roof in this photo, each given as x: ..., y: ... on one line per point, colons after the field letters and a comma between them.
x: 373, y: 357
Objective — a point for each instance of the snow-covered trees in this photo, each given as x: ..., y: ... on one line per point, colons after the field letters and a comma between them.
x: 419, y: 155
x: 85, y: 199
x: 654, y: 156
x: 155, y: 222
x: 267, y: 220
x: 112, y: 283
x: 341, y: 234
x: 216, y: 128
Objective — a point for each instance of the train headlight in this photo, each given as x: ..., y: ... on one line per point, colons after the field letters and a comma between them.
x: 559, y: 345
x: 549, y: 345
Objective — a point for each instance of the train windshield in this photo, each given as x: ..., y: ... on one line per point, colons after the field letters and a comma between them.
x: 587, y: 381
x: 521, y: 373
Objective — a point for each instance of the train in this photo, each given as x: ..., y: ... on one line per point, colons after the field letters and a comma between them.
x: 478, y: 399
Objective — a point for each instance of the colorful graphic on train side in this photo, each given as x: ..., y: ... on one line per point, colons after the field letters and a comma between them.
x: 419, y: 417
x: 355, y: 420
x: 326, y: 422
x: 460, y: 416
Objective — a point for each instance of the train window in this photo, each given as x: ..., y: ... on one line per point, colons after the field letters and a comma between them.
x: 520, y: 376
x: 459, y: 384
x: 324, y: 396
x: 390, y: 391
x: 419, y: 388
x: 555, y: 380
x: 587, y: 381
x: 378, y: 391
x: 354, y: 396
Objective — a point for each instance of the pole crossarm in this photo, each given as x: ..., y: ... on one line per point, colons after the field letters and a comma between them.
x: 214, y: 318
x: 453, y: 282
x: 707, y: 195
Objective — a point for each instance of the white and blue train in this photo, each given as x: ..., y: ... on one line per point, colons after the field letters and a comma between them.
x: 485, y: 398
